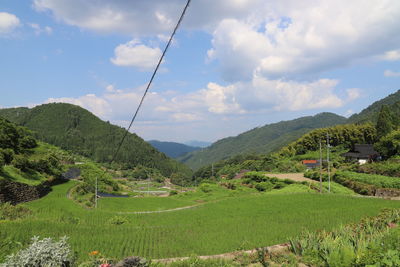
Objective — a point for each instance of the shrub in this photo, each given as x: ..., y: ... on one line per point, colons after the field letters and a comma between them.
x: 10, y: 212
x: 8, y: 155
x: 117, y: 220
x: 255, y: 176
x: 173, y: 192
x: 133, y: 262
x: 264, y: 186
x: 45, y: 252
x: 205, y: 187
x: 2, y: 161
x: 21, y: 162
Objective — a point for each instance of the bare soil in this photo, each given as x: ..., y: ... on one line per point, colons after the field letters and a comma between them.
x: 298, y: 177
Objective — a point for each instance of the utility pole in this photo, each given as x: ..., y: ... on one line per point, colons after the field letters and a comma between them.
x: 320, y: 166
x: 327, y: 159
x: 95, y: 195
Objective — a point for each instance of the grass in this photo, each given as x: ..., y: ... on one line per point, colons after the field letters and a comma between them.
x: 13, y: 174
x: 293, y: 188
x: 244, y: 222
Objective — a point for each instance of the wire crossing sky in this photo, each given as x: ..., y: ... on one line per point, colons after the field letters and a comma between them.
x: 238, y: 65
x: 151, y: 79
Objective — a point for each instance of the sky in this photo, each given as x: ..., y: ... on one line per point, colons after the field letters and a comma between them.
x: 234, y: 64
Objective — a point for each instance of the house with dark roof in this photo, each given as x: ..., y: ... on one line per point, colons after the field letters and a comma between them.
x: 362, y: 153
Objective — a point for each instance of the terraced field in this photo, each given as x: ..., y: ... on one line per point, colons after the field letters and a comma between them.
x: 222, y: 225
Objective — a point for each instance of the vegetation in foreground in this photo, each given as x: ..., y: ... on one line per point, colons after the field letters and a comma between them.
x: 221, y: 225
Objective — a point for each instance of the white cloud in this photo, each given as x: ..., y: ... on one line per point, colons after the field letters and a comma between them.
x: 39, y: 30
x: 137, y: 55
x: 392, y: 55
x: 302, y: 37
x: 228, y: 109
x: 353, y: 94
x: 273, y: 39
x: 143, y: 17
x: 8, y: 22
x: 390, y: 73
x: 97, y: 105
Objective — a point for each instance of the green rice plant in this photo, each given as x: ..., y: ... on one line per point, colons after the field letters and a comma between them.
x: 218, y: 223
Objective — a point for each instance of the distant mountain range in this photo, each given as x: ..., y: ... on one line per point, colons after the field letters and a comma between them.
x: 196, y: 143
x: 172, y: 149
x: 76, y: 129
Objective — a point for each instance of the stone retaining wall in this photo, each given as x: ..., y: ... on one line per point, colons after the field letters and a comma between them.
x: 15, y: 192
x: 387, y: 192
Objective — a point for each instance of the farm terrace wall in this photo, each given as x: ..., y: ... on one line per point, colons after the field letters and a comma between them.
x: 15, y: 192
x: 387, y: 193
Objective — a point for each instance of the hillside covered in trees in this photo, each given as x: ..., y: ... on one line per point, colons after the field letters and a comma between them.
x: 260, y: 140
x: 76, y: 129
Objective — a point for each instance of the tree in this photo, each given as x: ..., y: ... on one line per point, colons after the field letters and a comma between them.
x: 384, y: 124
x: 389, y: 145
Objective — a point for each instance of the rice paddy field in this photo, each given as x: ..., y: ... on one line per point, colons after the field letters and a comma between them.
x: 219, y: 225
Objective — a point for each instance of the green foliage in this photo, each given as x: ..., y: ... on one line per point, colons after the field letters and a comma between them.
x: 389, y: 145
x: 90, y: 171
x: 7, y: 154
x: 117, y: 220
x: 341, y: 135
x: 206, y: 188
x: 371, y: 113
x: 384, y: 125
x: 45, y: 252
x: 76, y: 129
x: 351, y: 245
x: 15, y: 138
x: 173, y: 193
x: 379, y: 181
x: 10, y: 212
x: 21, y: 162
x: 2, y: 160
x: 133, y: 262
x: 213, y: 228
x: 387, y: 168
x: 263, y: 140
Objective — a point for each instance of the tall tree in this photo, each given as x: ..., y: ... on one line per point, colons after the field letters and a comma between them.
x: 384, y: 125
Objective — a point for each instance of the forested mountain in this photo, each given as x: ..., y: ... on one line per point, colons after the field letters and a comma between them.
x: 172, y: 149
x: 260, y: 140
x: 76, y: 129
x: 197, y: 143
x: 371, y: 112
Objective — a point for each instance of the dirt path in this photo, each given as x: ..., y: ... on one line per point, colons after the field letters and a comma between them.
x: 161, y: 211
x: 298, y: 177
x: 229, y: 255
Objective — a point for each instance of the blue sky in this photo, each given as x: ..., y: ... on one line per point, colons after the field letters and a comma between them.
x: 232, y: 67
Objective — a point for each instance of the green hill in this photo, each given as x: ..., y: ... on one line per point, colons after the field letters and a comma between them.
x: 260, y: 140
x: 172, y: 149
x: 76, y: 129
x: 370, y: 114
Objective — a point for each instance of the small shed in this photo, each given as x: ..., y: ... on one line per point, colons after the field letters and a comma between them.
x: 362, y: 153
x: 310, y: 163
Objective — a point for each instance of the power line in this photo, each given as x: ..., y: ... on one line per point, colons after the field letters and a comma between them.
x: 151, y: 80
x: 145, y: 92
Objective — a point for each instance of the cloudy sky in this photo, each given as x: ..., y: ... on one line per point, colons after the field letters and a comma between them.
x: 234, y: 64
